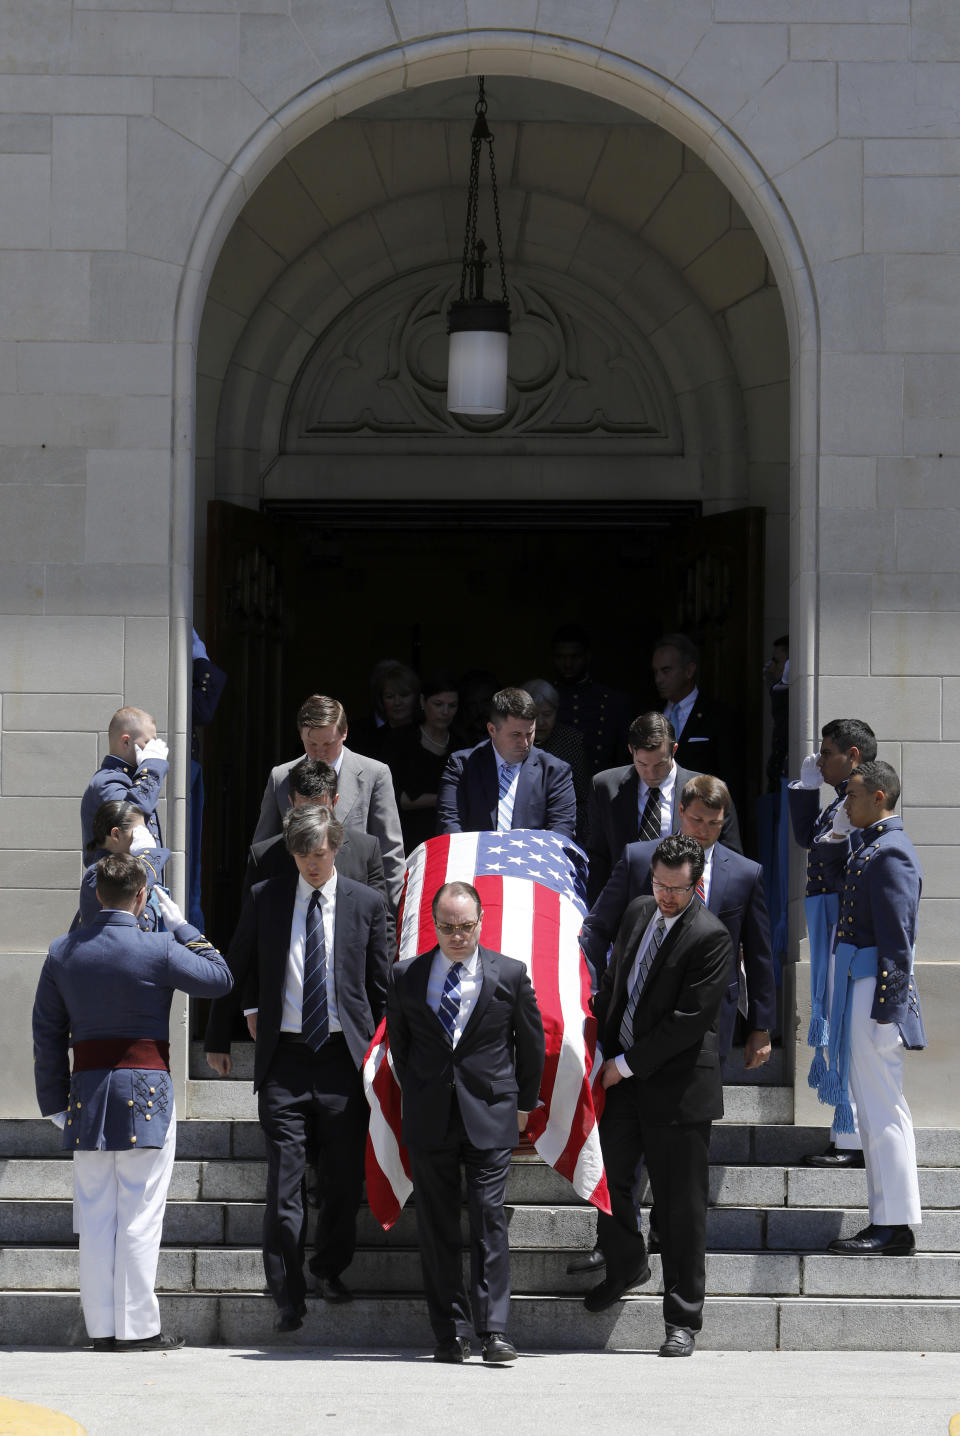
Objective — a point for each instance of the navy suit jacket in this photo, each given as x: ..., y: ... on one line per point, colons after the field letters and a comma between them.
x: 711, y: 742
x: 468, y: 795
x: 736, y: 898
x: 258, y: 960
x: 614, y: 820
x: 495, y: 1068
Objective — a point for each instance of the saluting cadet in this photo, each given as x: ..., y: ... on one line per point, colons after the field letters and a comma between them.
x: 118, y: 827
x: 105, y: 990
x: 134, y: 768
x: 826, y: 834
x: 876, y: 1010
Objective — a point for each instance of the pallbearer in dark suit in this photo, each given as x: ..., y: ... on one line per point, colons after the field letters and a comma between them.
x: 468, y: 1048
x: 656, y: 1010
x: 310, y: 957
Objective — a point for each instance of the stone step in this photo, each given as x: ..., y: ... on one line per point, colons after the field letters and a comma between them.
x: 570, y: 1228
x: 733, y: 1143
x: 532, y: 1273
x: 529, y: 1180
x: 218, y: 1100
x: 771, y: 1074
x: 745, y: 1323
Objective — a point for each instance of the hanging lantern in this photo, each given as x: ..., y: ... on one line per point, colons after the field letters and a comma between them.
x: 479, y: 328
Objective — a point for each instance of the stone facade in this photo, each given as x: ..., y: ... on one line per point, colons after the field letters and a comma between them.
x: 777, y: 175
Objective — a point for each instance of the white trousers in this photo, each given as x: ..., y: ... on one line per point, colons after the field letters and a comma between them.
x: 876, y: 1080
x: 843, y: 1141
x: 119, y: 1200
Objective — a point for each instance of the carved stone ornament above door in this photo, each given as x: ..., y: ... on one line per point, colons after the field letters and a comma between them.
x: 579, y: 370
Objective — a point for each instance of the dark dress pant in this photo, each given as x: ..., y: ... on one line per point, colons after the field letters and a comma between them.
x: 313, y: 1098
x: 437, y: 1194
x: 677, y: 1161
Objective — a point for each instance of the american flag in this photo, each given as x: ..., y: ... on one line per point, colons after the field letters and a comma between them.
x: 532, y: 887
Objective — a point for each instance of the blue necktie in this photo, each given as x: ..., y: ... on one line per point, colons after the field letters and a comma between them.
x: 450, y: 1000
x: 504, y: 808
x: 314, y: 1022
x: 653, y: 947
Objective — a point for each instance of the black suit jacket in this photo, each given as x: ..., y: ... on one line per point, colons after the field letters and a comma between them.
x: 468, y: 796
x: 736, y: 898
x: 358, y: 858
x: 614, y: 821
x: 495, y: 1068
x: 674, y: 1056
x: 711, y: 742
x: 258, y: 960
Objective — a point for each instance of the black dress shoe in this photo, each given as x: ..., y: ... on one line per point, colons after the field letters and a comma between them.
x: 876, y: 1241
x: 496, y: 1347
x: 609, y: 1292
x: 151, y: 1343
x: 679, y: 1342
x: 332, y: 1289
x: 104, y: 1343
x: 290, y: 1319
x: 835, y: 1157
x: 587, y: 1261
x: 454, y: 1352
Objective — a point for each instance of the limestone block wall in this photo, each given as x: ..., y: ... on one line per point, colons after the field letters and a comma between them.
x: 133, y: 133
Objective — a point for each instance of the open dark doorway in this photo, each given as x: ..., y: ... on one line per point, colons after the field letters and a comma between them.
x: 307, y: 597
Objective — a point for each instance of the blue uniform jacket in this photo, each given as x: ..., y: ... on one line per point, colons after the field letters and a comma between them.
x: 153, y: 863
x: 825, y: 860
x: 115, y: 779
x: 110, y: 980
x: 878, y: 908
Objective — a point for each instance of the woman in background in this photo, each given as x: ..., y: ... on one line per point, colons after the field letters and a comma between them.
x: 420, y: 756
x: 118, y: 827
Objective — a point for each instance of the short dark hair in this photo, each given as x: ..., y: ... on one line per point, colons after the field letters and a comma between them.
x: 119, y: 878
x: 313, y: 778
x: 651, y: 730
x: 304, y: 829
x: 512, y: 703
x: 571, y: 633
x: 455, y: 890
x: 318, y: 711
x: 685, y: 646
x: 782, y: 642
x: 115, y: 813
x: 880, y: 777
x: 850, y: 733
x: 678, y: 849
x: 709, y: 790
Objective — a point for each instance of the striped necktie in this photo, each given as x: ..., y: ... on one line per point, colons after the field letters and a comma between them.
x: 646, y: 962
x: 504, y: 805
x: 702, y: 887
x: 314, y: 1021
x: 450, y: 1000
x: 650, y: 819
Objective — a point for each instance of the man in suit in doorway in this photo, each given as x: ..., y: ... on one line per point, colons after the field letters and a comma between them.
x: 707, y: 731
x: 639, y: 802
x: 468, y: 1048
x: 310, y: 956
x: 505, y: 782
x: 365, y: 788
x: 656, y: 1012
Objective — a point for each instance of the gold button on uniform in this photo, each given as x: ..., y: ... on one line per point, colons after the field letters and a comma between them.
x: 148, y: 1116
x: 133, y: 1139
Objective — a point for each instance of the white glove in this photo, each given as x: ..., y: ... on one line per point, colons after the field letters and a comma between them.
x: 810, y: 775
x: 152, y: 748
x: 169, y: 911
x: 142, y: 841
x: 842, y: 826
x: 59, y: 1119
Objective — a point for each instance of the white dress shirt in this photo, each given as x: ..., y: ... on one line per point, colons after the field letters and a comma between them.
x: 471, y: 981
x: 666, y: 800
x: 708, y: 872
x: 505, y: 804
x: 292, y: 1017
x: 621, y: 1062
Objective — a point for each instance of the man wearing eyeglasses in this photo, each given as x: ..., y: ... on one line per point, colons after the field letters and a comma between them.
x: 468, y: 1049
x: 657, y: 1012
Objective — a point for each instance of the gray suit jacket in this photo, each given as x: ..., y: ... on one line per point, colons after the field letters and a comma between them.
x: 365, y: 800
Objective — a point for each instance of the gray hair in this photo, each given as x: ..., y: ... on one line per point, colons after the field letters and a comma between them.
x: 305, y: 828
x: 542, y: 692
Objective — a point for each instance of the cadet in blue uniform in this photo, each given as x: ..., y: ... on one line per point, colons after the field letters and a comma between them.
x: 600, y: 714
x: 876, y: 1010
x: 134, y: 768
x: 106, y: 991
x: 825, y: 833
x: 118, y: 827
